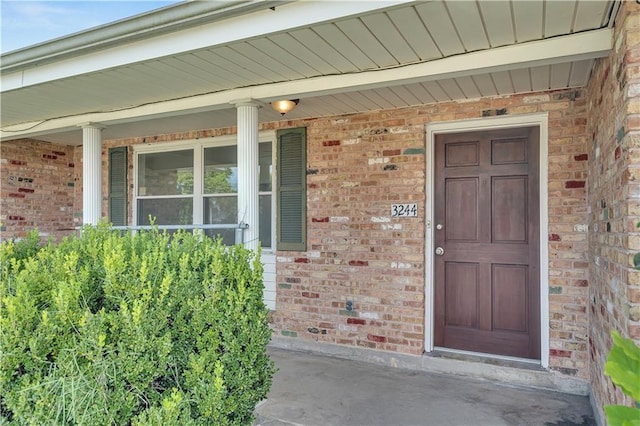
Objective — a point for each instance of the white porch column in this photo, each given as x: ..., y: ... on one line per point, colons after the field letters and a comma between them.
x: 91, y: 173
x: 247, y: 111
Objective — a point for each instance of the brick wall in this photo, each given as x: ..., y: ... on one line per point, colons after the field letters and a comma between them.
x: 614, y: 198
x: 358, y: 165
x: 37, y: 188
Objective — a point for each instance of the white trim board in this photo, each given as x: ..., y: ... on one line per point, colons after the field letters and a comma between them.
x: 540, y: 120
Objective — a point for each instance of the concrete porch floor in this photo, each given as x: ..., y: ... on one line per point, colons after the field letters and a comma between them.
x: 315, y: 389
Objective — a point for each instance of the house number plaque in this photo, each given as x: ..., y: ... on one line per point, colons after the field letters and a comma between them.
x: 404, y: 210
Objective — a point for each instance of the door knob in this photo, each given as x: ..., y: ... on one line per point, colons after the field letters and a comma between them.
x: 439, y: 226
x: 439, y: 251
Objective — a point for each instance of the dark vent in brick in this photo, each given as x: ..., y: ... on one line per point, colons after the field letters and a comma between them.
x: 494, y: 112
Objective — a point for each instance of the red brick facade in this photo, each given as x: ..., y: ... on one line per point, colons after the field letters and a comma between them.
x: 358, y: 165
x: 37, y: 188
x: 614, y: 199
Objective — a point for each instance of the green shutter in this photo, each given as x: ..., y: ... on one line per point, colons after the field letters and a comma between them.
x: 292, y: 189
x: 118, y: 186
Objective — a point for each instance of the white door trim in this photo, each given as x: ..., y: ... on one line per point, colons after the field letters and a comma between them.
x: 541, y: 120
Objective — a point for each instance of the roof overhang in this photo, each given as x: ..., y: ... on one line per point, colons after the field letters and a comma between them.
x: 242, y: 28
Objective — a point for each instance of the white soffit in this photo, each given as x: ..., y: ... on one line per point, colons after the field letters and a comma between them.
x: 280, y: 19
x: 536, y: 58
x: 353, y: 56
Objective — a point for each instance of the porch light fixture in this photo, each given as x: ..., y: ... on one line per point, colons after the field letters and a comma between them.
x: 285, y: 106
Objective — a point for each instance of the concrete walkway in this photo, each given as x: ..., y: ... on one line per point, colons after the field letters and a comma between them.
x: 312, y: 389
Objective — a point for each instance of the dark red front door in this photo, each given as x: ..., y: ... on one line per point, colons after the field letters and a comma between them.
x: 487, y: 292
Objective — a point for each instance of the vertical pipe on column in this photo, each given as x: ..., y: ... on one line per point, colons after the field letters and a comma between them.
x: 247, y: 115
x: 91, y: 174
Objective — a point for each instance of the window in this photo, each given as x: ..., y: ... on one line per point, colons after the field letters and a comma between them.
x: 221, y: 188
x: 197, y: 183
x: 165, y: 187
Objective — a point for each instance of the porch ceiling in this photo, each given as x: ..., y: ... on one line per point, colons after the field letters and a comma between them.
x: 412, y: 45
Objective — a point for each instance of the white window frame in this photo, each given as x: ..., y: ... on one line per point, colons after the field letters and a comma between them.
x: 198, y: 146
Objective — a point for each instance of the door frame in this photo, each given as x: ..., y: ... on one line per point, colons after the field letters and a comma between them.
x: 540, y: 120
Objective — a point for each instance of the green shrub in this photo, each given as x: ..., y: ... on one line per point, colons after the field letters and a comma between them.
x: 131, y: 329
x: 623, y: 366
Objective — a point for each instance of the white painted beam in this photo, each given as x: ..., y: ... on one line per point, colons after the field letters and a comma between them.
x: 586, y: 45
x: 282, y: 18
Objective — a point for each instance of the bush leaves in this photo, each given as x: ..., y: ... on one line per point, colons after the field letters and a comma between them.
x: 148, y: 328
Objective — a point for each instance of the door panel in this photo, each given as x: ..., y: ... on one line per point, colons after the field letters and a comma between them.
x: 461, y: 196
x: 510, y: 210
x: 487, y: 278
x: 509, y: 292
x: 461, y: 297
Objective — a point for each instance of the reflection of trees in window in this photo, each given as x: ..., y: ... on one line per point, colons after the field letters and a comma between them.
x: 216, y: 181
x: 184, y: 182
x: 221, y: 203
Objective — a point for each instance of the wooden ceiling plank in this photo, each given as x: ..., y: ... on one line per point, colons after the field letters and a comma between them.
x: 560, y: 74
x: 82, y: 94
x: 209, y: 62
x: 498, y: 23
x: 436, y: 91
x: 222, y: 77
x: 521, y: 79
x: 391, y: 97
x: 184, y: 73
x: 299, y: 50
x: 316, y: 107
x: 249, y: 63
x: 272, y: 49
x: 528, y: 20
x: 421, y: 93
x: 558, y: 17
x: 351, y: 101
x: 485, y: 85
x: 125, y: 77
x: 468, y: 23
x: 451, y: 88
x: 157, y: 72
x: 362, y: 37
x: 335, y: 103
x: 502, y: 81
x: 406, y: 95
x: 336, y: 38
x: 435, y: 17
x: 580, y: 72
x: 360, y: 98
x: 386, y: 32
x: 217, y: 56
x: 591, y: 14
x: 468, y: 87
x: 540, y: 78
x: 413, y: 30
x: 263, y: 74
x: 316, y: 44
x: 378, y: 99
x: 283, y: 71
